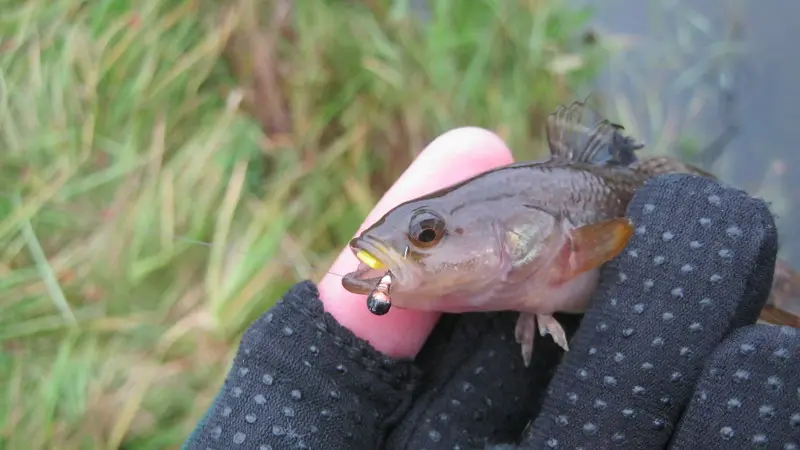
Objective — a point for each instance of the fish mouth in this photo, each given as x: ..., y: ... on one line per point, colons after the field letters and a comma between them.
x: 375, y: 259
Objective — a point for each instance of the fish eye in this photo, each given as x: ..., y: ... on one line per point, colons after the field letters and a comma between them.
x: 426, y: 228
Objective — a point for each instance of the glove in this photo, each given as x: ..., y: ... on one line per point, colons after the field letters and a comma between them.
x: 666, y: 357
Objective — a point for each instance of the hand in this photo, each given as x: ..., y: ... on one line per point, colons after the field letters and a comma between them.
x: 666, y: 357
x: 666, y: 352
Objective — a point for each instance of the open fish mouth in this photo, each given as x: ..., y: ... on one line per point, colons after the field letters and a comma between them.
x: 362, y: 280
x: 374, y: 262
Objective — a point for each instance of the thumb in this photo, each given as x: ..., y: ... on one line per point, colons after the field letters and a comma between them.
x: 452, y: 157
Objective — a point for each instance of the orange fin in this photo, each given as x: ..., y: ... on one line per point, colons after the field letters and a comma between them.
x: 591, y: 246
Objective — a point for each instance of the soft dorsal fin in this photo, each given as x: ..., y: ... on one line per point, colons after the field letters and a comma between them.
x: 601, y: 143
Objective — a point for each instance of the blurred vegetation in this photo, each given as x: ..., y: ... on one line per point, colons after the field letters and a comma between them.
x: 131, y: 131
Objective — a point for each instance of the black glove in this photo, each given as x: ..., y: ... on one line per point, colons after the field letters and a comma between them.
x: 667, y: 357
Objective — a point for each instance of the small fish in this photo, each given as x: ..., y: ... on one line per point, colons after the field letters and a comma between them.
x: 527, y: 237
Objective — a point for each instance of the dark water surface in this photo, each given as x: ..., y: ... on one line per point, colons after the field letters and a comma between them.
x: 696, y: 67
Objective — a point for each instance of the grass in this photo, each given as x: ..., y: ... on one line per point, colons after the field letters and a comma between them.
x: 132, y: 130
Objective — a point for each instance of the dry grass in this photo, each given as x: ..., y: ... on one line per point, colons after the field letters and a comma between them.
x: 131, y: 130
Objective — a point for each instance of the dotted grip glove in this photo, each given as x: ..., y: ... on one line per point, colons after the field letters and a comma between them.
x: 667, y: 356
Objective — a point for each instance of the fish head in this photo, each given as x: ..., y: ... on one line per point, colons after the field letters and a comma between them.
x: 431, y: 249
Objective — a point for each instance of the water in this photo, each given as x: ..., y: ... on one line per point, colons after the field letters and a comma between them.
x: 696, y: 67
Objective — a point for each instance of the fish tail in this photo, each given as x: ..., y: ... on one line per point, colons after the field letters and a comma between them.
x: 661, y: 165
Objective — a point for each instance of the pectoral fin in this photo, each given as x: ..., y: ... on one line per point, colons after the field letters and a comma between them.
x: 590, y: 246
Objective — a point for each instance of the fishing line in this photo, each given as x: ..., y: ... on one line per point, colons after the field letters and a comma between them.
x: 16, y: 203
x: 233, y: 248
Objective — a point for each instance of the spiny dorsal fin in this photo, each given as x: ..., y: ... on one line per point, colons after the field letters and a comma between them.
x: 570, y: 139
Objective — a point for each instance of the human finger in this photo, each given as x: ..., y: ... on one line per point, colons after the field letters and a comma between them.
x: 452, y: 157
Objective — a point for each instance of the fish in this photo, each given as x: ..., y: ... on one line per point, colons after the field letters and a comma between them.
x: 529, y: 236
